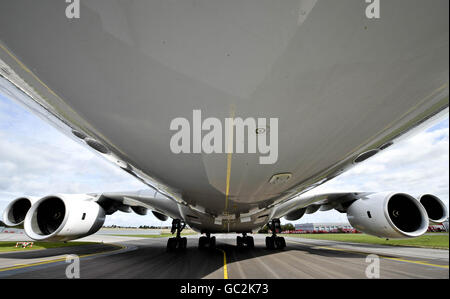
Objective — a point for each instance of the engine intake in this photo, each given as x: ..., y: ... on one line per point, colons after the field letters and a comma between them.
x: 15, y: 212
x: 436, y: 210
x: 63, y: 218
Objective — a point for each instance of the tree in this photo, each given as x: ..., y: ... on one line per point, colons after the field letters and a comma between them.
x: 287, y: 226
x: 264, y: 230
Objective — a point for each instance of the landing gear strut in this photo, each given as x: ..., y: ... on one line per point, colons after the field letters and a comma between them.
x: 177, y: 242
x: 245, y: 241
x: 273, y: 241
x: 206, y: 241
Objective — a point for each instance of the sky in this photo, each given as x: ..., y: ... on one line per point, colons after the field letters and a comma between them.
x: 37, y: 160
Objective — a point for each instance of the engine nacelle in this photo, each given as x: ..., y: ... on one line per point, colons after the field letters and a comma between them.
x: 295, y: 215
x: 388, y: 215
x: 436, y: 209
x: 63, y: 217
x: 15, y: 212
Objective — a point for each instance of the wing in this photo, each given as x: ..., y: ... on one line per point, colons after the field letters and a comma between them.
x: 139, y: 202
x: 318, y: 202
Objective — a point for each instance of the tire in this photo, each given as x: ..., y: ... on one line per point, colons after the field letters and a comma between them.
x: 182, y: 244
x: 280, y: 243
x: 202, y: 242
x: 171, y: 244
x: 212, y: 242
x: 239, y: 242
x: 250, y: 242
x: 270, y: 243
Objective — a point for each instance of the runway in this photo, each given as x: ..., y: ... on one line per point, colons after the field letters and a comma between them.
x: 302, y: 258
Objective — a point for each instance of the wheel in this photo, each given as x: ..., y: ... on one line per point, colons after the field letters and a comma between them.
x: 250, y: 242
x: 202, y: 242
x: 212, y: 242
x: 171, y: 244
x: 182, y: 243
x: 270, y: 243
x: 239, y: 242
x: 280, y: 242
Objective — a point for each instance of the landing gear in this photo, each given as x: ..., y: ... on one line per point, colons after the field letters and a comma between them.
x: 206, y: 241
x: 273, y: 241
x: 245, y: 240
x: 177, y: 242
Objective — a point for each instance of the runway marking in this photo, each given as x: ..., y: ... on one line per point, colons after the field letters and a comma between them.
x: 225, y: 270
x: 21, y: 266
x: 385, y: 257
x: 382, y: 256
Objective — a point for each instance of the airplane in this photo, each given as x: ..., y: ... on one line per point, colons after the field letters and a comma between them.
x: 340, y: 84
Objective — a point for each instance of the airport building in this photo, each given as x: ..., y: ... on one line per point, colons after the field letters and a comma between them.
x: 322, y: 226
x: 443, y: 226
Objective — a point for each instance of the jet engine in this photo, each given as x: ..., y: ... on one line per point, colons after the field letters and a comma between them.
x: 15, y: 212
x: 436, y: 210
x: 63, y: 217
x: 295, y: 215
x: 388, y: 215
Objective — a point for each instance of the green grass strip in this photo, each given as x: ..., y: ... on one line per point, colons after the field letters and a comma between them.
x: 8, y: 246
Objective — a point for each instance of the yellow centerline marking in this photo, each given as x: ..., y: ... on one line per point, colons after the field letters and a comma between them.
x: 225, y: 269
x: 20, y: 266
x: 415, y: 262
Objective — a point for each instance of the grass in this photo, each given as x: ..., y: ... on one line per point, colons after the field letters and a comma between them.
x: 439, y: 241
x: 8, y: 246
x: 152, y: 236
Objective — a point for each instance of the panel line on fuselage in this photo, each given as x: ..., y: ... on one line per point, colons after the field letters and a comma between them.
x: 229, y: 157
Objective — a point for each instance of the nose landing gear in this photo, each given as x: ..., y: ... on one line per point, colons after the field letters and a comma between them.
x: 273, y: 241
x: 177, y: 242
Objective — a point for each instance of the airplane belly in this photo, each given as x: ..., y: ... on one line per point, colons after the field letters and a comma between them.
x: 338, y: 83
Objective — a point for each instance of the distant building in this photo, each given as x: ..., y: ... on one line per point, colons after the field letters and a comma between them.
x: 445, y: 225
x: 309, y: 227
